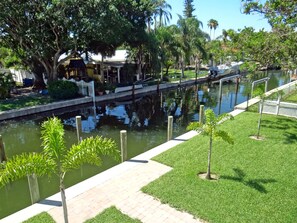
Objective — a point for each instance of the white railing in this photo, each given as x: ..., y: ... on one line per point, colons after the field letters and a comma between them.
x: 85, y: 88
x: 280, y: 108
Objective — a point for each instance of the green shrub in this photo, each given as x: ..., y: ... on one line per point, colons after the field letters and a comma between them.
x: 6, y: 84
x: 62, y: 89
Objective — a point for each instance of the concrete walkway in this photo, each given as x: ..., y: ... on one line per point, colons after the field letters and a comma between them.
x: 118, y: 186
x: 124, y: 192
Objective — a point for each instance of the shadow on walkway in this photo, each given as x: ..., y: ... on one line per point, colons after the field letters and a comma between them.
x: 51, y: 202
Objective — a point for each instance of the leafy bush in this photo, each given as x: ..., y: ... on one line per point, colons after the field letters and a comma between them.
x: 62, y: 89
x: 6, y: 84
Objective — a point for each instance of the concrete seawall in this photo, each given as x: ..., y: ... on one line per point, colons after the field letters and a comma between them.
x: 15, y: 113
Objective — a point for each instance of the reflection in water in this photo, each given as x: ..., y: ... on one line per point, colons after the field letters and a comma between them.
x: 144, y: 118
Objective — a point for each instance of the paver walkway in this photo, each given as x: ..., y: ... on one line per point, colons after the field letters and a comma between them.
x: 124, y: 193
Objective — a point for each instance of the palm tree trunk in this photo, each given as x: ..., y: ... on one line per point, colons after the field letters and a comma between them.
x: 197, y: 68
x: 209, y: 158
x: 182, y: 68
x: 63, y: 197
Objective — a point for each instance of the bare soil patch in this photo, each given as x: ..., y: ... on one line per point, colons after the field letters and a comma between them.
x: 213, y: 176
x: 260, y: 138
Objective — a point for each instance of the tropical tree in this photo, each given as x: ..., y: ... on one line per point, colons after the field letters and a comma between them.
x: 167, y: 47
x: 56, y: 159
x: 209, y: 128
x: 212, y: 24
x: 215, y: 25
x: 162, y: 11
x: 6, y: 84
x: 189, y: 9
x: 282, y: 16
x: 40, y: 32
x: 8, y: 58
x: 278, y: 12
x: 224, y: 35
x: 190, y: 38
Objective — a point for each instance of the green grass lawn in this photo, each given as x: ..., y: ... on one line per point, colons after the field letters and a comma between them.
x: 174, y: 75
x: 109, y: 215
x: 257, y: 179
x: 41, y: 218
x: 24, y: 101
x: 112, y: 215
x: 292, y: 97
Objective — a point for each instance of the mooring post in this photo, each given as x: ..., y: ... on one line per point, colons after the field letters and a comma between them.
x: 247, y: 102
x: 34, y: 188
x: 123, y: 134
x: 78, y: 128
x: 236, y: 91
x: 169, y: 128
x: 2, y: 151
x: 201, y: 114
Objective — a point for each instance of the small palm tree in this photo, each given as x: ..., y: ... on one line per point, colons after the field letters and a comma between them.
x: 56, y: 159
x: 209, y: 128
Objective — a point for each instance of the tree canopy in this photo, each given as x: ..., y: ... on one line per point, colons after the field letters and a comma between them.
x: 276, y: 11
x: 40, y: 32
x: 280, y: 43
x: 189, y: 9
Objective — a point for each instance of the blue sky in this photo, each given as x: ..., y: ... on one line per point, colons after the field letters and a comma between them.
x: 226, y: 12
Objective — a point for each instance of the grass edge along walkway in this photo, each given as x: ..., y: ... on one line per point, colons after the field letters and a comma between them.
x: 111, y: 214
x: 257, y: 178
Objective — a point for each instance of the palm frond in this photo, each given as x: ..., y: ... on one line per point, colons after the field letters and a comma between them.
x: 210, y: 117
x: 25, y: 164
x: 225, y: 136
x: 224, y: 117
x: 196, y: 126
x: 52, y: 135
x: 90, y: 151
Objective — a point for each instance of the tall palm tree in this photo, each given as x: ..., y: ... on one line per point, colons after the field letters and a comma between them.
x: 212, y: 24
x: 225, y: 35
x: 161, y: 11
x: 164, y: 13
x: 191, y: 39
x: 56, y: 159
x: 215, y: 25
x: 209, y: 24
x: 209, y: 128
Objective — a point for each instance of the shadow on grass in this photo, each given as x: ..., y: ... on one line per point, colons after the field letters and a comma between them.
x: 290, y: 138
x: 283, y: 124
x: 279, y: 123
x: 256, y: 184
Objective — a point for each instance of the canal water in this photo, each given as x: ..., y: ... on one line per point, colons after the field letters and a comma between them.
x: 144, y: 118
